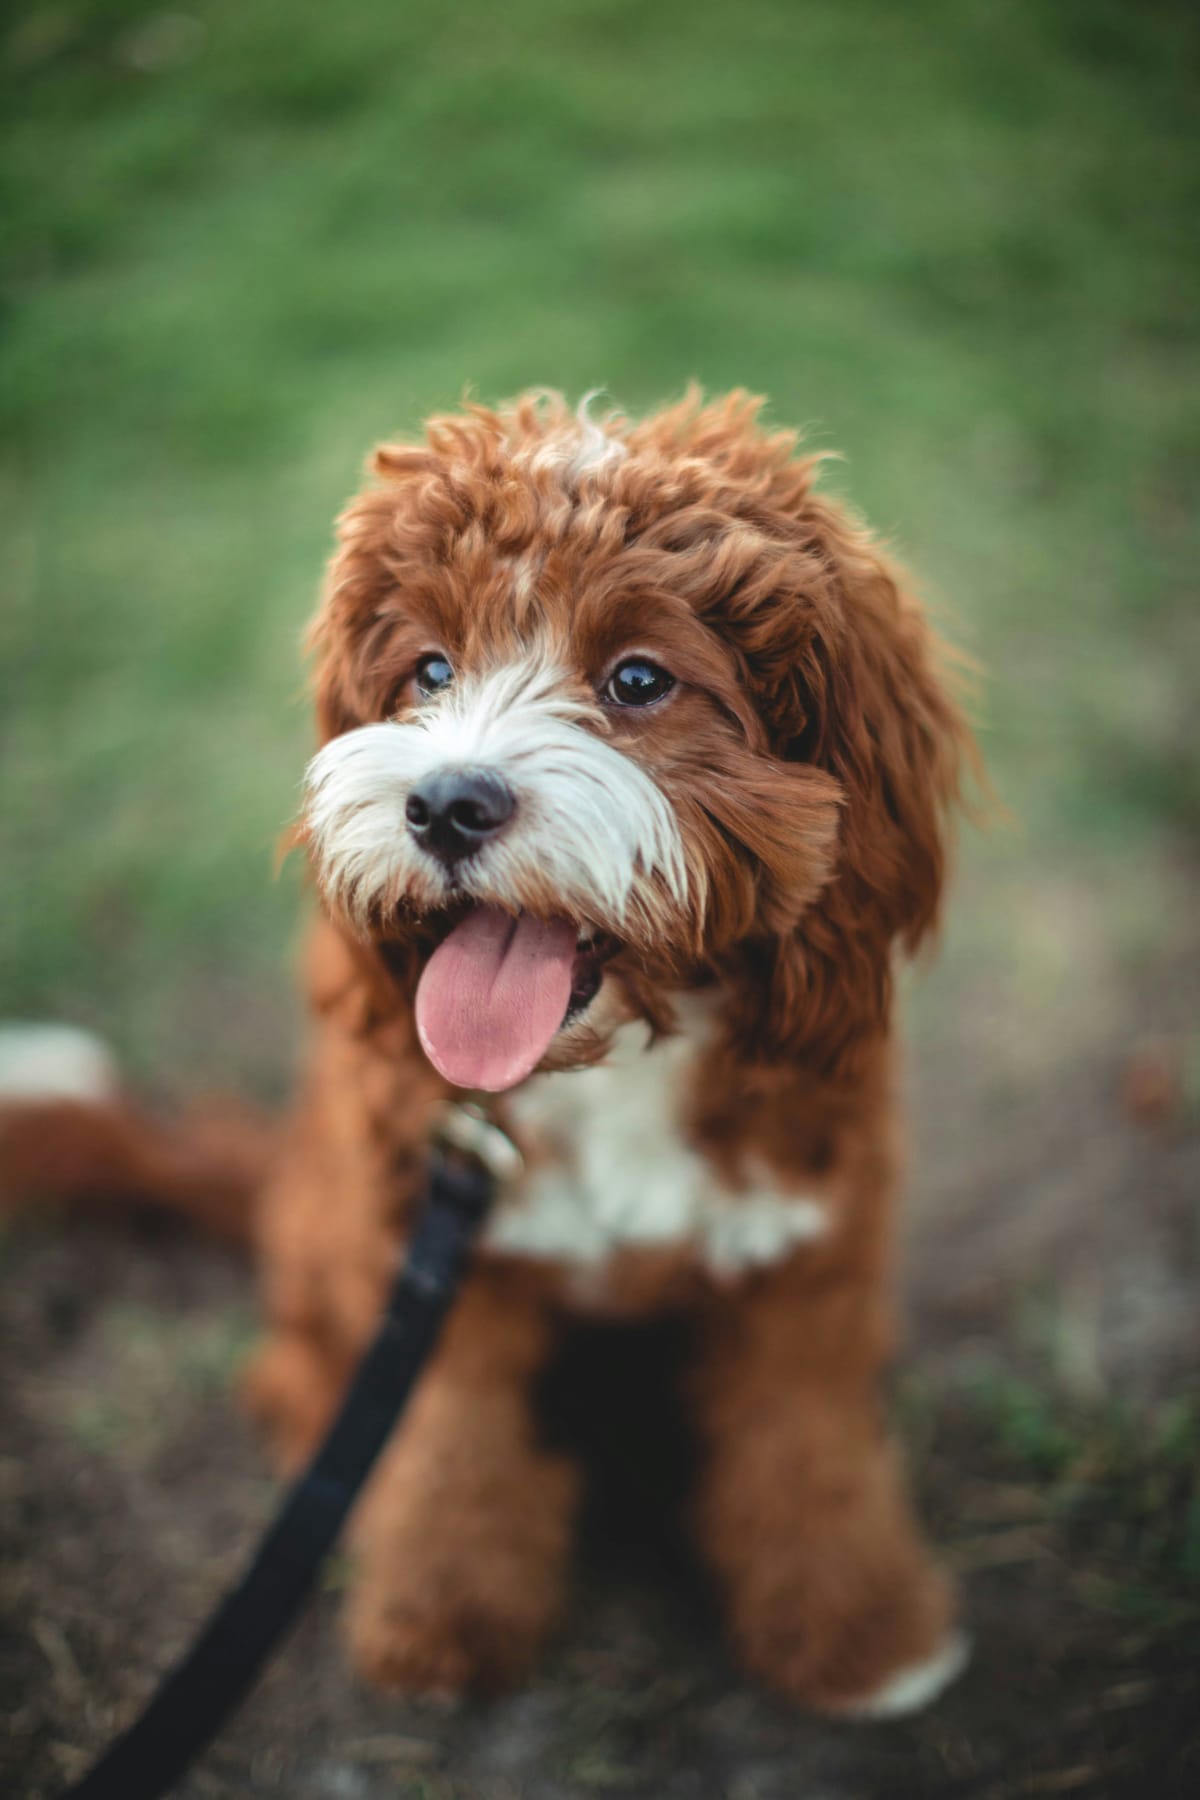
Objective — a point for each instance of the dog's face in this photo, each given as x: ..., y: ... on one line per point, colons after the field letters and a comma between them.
x: 580, y: 687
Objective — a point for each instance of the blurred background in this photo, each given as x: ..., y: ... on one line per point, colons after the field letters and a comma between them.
x: 953, y: 240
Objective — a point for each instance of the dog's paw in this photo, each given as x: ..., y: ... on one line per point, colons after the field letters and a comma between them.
x: 876, y: 1644
x: 288, y: 1391
x: 913, y: 1686
x: 442, y: 1654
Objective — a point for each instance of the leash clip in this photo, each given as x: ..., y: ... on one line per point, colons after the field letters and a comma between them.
x: 464, y: 1129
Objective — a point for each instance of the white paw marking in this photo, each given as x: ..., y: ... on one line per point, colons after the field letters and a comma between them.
x: 909, y: 1689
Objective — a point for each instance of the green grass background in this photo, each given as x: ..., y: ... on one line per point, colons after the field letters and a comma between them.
x: 242, y: 239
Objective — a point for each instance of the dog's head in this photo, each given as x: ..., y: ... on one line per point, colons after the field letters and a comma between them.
x: 609, y: 710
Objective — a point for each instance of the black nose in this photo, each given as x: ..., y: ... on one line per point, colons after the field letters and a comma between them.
x: 455, y: 812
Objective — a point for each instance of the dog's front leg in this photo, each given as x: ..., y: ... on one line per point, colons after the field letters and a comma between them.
x: 801, y: 1512
x: 464, y: 1533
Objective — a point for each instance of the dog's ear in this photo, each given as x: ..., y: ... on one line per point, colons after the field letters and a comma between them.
x: 355, y: 619
x: 352, y: 596
x: 871, y: 699
x: 852, y: 680
x: 851, y: 677
x: 875, y: 702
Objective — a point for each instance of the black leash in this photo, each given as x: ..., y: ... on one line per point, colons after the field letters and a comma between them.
x: 198, y: 1695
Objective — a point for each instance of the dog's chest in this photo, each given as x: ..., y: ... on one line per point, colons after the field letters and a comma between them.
x: 611, y: 1170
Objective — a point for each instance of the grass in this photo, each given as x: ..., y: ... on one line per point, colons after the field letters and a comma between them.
x: 1108, y: 1492
x: 244, y: 240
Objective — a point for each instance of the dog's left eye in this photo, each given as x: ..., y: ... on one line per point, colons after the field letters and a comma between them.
x: 433, y: 674
x: 638, y: 682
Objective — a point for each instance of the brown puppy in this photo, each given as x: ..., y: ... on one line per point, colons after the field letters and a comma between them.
x: 636, y: 766
x: 636, y: 760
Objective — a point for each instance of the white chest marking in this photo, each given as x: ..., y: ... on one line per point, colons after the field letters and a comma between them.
x: 619, y: 1174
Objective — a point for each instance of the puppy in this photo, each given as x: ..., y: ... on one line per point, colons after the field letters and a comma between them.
x: 635, y: 768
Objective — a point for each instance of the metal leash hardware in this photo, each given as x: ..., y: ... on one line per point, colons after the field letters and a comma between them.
x: 470, y: 1157
x: 465, y: 1129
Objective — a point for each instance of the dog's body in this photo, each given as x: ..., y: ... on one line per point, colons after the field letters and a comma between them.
x: 635, y: 768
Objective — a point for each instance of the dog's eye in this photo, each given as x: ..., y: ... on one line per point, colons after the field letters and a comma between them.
x: 638, y: 682
x: 433, y: 674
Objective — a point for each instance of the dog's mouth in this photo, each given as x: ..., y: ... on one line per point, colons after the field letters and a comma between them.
x: 498, y: 989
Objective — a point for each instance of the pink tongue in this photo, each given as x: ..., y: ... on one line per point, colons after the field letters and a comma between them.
x: 493, y: 995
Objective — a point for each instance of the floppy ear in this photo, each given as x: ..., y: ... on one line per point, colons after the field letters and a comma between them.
x: 344, y: 631
x: 848, y: 678
x: 871, y: 701
x: 868, y: 696
x: 877, y: 693
x: 379, y: 532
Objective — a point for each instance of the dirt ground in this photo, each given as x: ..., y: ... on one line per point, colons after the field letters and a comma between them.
x: 1048, y: 1396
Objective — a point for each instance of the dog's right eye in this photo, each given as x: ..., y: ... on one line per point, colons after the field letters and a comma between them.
x: 433, y: 675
